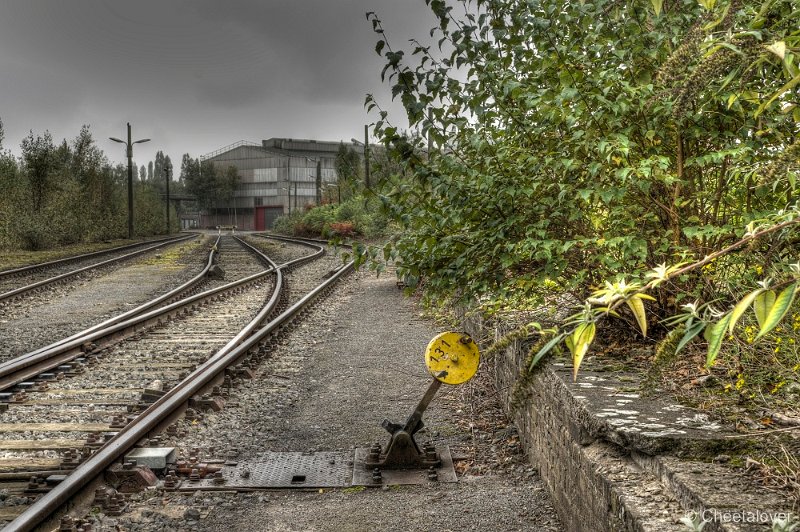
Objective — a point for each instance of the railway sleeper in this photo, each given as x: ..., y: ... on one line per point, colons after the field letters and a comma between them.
x: 40, y: 483
x: 207, y: 402
x: 130, y: 477
x: 71, y: 458
x: 240, y: 372
x: 95, y: 440
x: 71, y: 524
x: 112, y: 502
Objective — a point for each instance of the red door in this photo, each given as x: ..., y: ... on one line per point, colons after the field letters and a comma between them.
x: 260, y: 224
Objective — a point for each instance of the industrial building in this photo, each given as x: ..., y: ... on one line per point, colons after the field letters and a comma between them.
x: 276, y: 177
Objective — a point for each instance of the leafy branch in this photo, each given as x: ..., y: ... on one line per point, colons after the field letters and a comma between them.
x: 769, y: 308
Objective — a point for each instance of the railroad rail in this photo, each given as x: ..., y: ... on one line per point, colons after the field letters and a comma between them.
x: 157, y: 415
x: 166, y: 298
x: 29, y: 365
x: 45, y: 266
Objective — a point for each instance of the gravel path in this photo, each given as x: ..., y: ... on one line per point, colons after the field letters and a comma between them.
x: 356, y: 359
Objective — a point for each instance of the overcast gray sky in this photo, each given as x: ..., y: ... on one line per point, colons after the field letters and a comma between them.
x: 194, y: 75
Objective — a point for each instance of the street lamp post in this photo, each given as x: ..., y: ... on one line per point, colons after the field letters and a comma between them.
x: 129, y: 146
x: 167, y: 176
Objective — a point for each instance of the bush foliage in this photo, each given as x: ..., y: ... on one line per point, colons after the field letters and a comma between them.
x: 358, y: 215
x: 605, y: 147
x: 57, y: 195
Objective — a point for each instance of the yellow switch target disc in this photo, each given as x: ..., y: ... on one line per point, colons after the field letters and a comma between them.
x: 452, y: 358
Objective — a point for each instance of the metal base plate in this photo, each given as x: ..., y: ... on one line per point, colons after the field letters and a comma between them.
x: 316, y: 470
x: 362, y: 475
x: 283, y: 470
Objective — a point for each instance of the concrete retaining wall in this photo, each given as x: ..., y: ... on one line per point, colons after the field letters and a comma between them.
x: 614, y: 460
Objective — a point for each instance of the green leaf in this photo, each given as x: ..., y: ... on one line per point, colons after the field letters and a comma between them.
x: 741, y: 307
x: 715, y: 335
x: 791, y: 84
x: 691, y: 332
x: 762, y: 305
x: 546, y: 349
x: 581, y: 338
x: 637, y: 307
x: 782, y: 305
x: 570, y: 342
x: 657, y: 4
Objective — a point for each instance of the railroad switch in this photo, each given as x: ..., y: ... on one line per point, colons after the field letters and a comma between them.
x: 452, y: 358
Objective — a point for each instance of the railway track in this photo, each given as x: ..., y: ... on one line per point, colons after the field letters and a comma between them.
x: 73, y: 410
x: 19, y: 282
x: 234, y: 262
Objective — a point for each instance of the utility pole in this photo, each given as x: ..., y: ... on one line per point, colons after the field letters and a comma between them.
x: 166, y: 175
x: 289, y: 182
x: 129, y: 146
x: 319, y: 181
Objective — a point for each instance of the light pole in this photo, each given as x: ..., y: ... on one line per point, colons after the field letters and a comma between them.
x: 167, y: 176
x: 129, y: 146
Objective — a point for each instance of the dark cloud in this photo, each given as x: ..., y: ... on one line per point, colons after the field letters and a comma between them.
x: 193, y: 75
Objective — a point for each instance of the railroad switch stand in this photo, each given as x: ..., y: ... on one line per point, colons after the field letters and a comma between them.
x: 402, y: 451
x: 452, y: 358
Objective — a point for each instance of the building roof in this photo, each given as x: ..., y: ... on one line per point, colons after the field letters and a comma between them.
x: 283, y: 147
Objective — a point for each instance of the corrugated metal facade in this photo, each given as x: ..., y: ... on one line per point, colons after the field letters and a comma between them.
x: 278, y: 173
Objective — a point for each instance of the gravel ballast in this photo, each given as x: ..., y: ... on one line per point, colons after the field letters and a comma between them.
x: 355, y: 360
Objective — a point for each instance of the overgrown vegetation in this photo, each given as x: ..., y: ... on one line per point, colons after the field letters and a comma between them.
x: 580, y: 144
x: 70, y: 193
x: 639, y: 156
x: 206, y: 182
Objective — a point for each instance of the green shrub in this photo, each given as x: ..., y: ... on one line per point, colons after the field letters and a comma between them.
x: 318, y: 219
x: 285, y: 224
x: 31, y: 233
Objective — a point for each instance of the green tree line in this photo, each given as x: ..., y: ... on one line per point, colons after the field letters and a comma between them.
x: 57, y: 194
